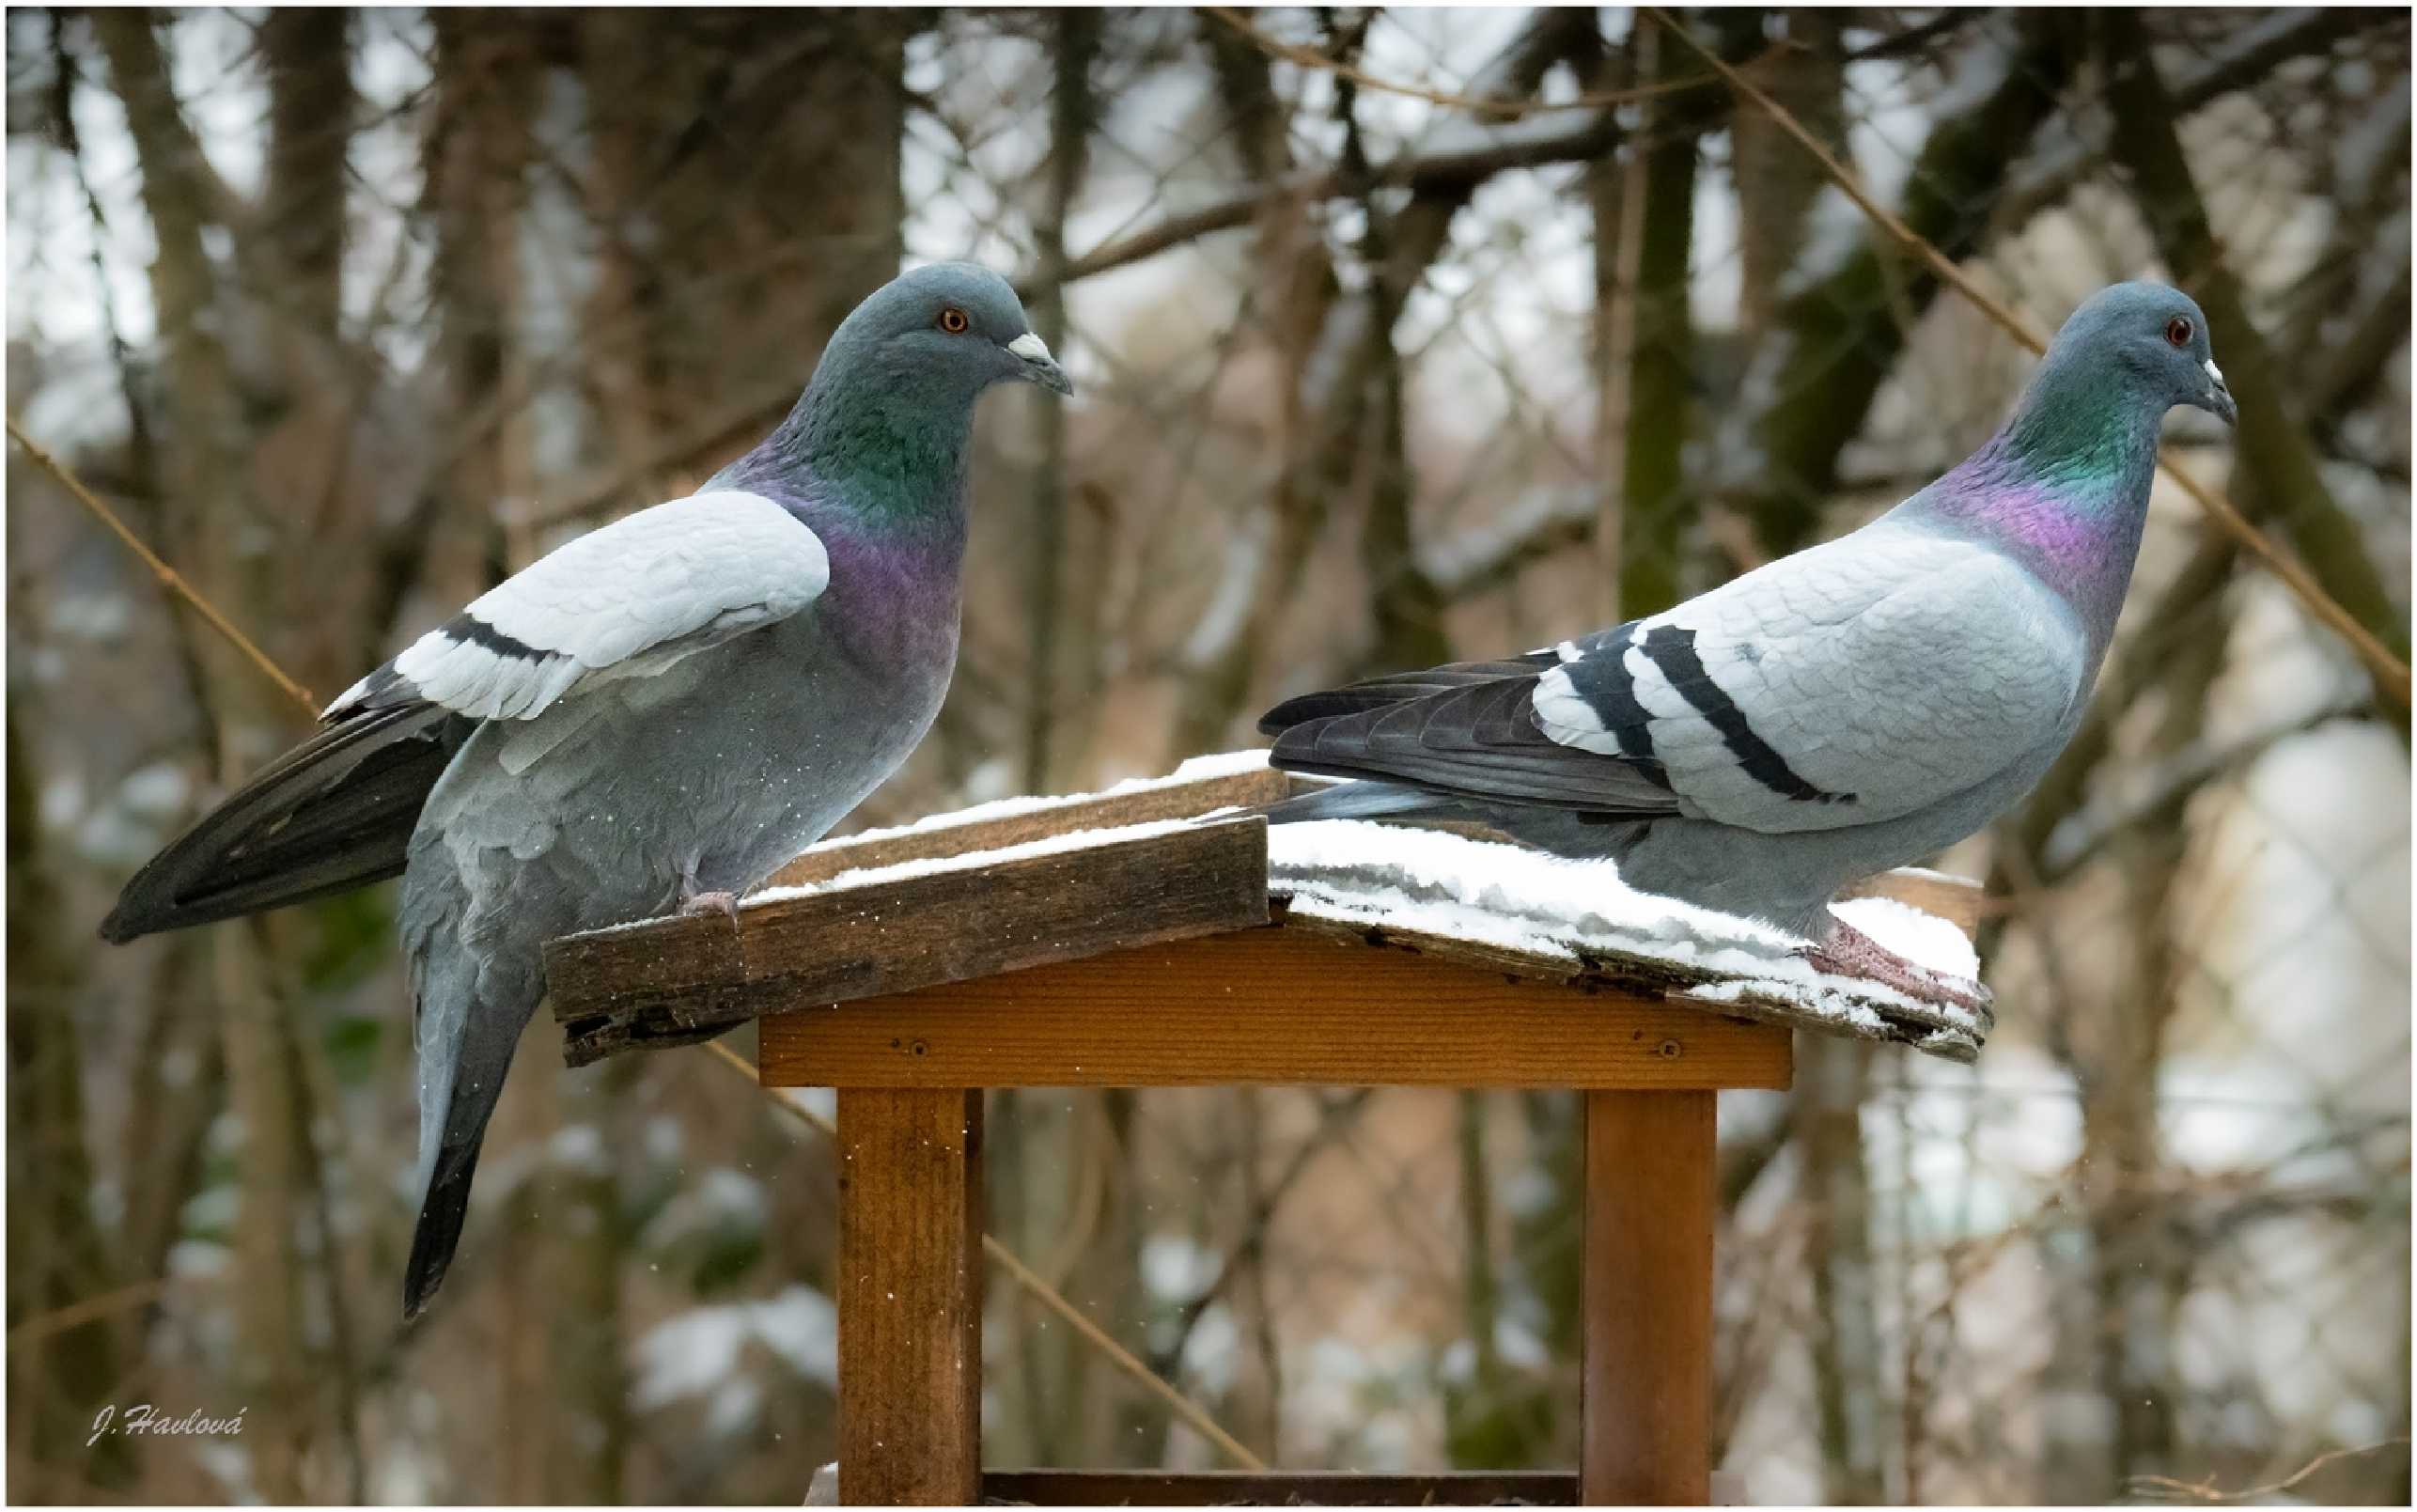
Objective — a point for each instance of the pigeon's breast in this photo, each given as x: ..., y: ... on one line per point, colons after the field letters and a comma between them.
x: 892, y: 608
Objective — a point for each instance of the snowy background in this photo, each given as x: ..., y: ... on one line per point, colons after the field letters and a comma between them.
x: 351, y: 314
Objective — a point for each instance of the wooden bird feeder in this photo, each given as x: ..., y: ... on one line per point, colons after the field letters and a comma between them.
x: 1133, y: 938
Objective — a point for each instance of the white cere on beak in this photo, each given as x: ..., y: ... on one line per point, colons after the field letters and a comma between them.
x: 1031, y: 348
x: 2215, y: 372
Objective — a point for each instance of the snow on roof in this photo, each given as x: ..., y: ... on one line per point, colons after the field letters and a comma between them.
x: 1567, y: 917
x: 1221, y: 764
x: 1441, y: 885
x: 969, y: 861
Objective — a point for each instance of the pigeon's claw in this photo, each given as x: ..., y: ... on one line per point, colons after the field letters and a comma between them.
x: 696, y: 905
x: 1848, y: 952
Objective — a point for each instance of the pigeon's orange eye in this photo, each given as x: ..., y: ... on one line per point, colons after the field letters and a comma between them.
x: 2177, y: 331
x: 953, y: 321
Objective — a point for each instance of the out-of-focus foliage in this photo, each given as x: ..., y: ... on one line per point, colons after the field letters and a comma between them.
x: 353, y: 313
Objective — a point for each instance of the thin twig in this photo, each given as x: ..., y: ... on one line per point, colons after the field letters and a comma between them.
x: 167, y: 575
x: 1308, y: 57
x: 2205, y: 1491
x: 59, y: 1319
x: 2390, y: 672
x: 1024, y: 1275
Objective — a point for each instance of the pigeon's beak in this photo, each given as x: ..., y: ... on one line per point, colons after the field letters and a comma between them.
x: 2218, y: 400
x: 1040, y: 367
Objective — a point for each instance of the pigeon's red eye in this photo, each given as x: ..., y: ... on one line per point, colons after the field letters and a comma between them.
x: 2177, y: 331
x: 953, y: 321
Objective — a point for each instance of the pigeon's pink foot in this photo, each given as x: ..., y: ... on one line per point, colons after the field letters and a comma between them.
x: 1850, y: 952
x: 698, y: 905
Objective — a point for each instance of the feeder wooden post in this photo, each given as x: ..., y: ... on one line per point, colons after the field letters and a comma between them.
x: 910, y: 1298
x: 1645, y: 1295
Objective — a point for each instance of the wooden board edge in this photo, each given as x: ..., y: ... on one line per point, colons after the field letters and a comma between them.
x: 938, y: 838
x: 697, y: 981
x: 1183, y: 1015
x: 1931, y: 1031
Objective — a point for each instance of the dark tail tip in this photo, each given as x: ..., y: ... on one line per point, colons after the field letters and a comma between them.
x: 139, y: 910
x: 440, y: 1227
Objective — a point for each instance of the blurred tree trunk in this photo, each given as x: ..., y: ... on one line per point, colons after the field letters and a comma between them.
x: 581, y: 1246
x: 1831, y: 342
x: 1497, y: 1419
x: 1844, y: 1333
x: 1776, y: 182
x: 1074, y: 46
x: 59, y: 1377
x: 306, y: 56
x: 1616, y: 191
x: 617, y: 56
x: 474, y: 159
x: 1653, y: 483
x: 177, y: 1087
x: 771, y: 201
x: 2117, y: 1267
x: 1405, y: 609
x: 231, y: 548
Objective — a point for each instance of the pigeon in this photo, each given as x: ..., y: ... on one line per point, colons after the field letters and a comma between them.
x: 656, y: 714
x: 1858, y: 705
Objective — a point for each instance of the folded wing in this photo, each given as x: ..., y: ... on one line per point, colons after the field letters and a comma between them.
x: 1831, y: 689
x: 337, y: 811
x: 626, y: 600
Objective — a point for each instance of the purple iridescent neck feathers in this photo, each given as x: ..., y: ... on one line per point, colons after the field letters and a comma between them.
x: 2063, y: 486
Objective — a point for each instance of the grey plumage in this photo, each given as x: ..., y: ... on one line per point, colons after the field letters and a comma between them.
x: 660, y: 711
x: 1858, y: 705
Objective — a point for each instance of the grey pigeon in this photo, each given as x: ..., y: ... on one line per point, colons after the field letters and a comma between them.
x: 656, y: 714
x: 1858, y: 705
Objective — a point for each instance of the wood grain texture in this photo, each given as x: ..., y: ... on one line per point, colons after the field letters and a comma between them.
x: 1268, y: 1006
x: 1646, y: 1298
x: 910, y: 1296
x: 1102, y: 811
x: 677, y: 980
x: 1237, y: 1488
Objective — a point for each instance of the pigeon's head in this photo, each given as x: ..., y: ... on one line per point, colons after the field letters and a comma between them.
x: 2159, y: 336
x: 954, y: 329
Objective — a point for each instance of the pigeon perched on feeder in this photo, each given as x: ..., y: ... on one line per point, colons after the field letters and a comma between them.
x: 656, y: 714
x: 1858, y: 705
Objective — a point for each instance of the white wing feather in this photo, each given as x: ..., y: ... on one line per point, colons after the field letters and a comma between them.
x: 628, y: 600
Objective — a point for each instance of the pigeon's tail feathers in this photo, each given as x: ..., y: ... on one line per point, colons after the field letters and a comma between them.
x: 334, y: 813
x: 439, y: 1230
x: 1400, y: 687
x: 471, y: 1003
x: 1360, y: 801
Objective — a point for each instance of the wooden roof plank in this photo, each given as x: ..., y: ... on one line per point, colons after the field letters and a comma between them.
x: 941, y: 836
x: 677, y: 980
